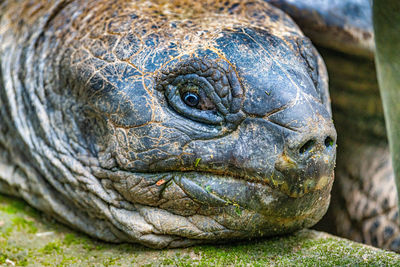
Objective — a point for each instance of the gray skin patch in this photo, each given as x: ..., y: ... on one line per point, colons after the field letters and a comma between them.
x: 101, y: 137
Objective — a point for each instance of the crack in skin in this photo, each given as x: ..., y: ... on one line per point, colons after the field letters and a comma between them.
x: 90, y: 120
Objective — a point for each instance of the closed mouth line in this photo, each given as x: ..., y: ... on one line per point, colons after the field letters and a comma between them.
x: 275, y: 184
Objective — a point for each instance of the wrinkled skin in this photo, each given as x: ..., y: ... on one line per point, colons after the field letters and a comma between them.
x: 98, y: 132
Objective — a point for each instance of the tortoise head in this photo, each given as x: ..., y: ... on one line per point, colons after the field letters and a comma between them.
x: 204, y: 121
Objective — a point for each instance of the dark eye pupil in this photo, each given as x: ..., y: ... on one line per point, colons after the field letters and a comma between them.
x: 191, y: 99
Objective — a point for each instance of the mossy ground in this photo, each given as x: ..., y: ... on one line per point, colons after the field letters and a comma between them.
x: 29, y: 238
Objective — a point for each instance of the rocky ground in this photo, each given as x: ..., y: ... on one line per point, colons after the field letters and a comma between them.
x: 29, y: 238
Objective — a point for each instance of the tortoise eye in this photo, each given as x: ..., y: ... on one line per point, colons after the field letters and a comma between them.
x: 204, y: 91
x: 191, y: 99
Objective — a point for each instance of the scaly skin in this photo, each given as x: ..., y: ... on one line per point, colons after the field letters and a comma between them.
x: 98, y: 135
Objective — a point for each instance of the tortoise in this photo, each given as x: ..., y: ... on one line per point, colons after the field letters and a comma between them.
x: 164, y: 123
x: 154, y: 122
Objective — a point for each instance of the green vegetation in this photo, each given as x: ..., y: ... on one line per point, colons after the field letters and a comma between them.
x: 387, y: 56
x: 29, y: 238
x: 197, y: 162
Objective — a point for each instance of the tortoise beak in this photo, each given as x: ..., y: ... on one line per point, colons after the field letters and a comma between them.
x: 308, y: 159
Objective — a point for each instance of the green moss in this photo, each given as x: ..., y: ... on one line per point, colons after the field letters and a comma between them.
x: 52, y: 247
x: 11, y: 207
x: 3, y: 258
x: 238, y: 209
x: 64, y: 247
x: 23, y: 223
x: 68, y: 261
x: 14, y: 206
x: 70, y: 239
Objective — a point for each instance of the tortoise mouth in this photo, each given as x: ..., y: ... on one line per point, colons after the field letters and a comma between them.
x: 217, y: 190
x: 234, y: 206
x: 288, y: 184
x: 221, y: 188
x: 298, y: 187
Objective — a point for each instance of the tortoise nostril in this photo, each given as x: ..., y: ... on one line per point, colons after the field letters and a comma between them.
x: 329, y: 142
x: 307, y: 146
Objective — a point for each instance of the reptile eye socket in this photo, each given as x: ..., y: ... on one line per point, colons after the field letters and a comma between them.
x: 203, y: 91
x: 192, y: 96
x: 191, y: 99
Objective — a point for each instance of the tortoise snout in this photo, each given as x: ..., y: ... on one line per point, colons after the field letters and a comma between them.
x: 308, y: 160
x: 319, y: 144
x: 316, y: 139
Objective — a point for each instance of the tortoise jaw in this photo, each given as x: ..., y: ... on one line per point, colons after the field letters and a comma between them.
x: 218, y: 205
x: 215, y: 190
x: 301, y: 188
x: 307, y: 161
x: 202, y: 194
x: 296, y: 180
